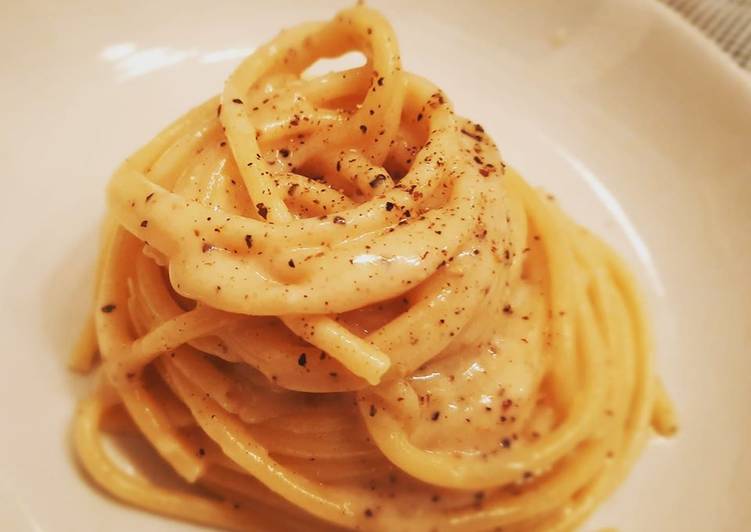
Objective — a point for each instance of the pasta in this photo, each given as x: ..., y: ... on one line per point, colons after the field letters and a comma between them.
x: 326, y: 303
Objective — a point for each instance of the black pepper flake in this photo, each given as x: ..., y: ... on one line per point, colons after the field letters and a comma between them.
x: 292, y: 188
x: 389, y: 205
x: 263, y: 211
x: 284, y: 152
x: 145, y: 223
x: 507, y: 309
x: 338, y: 166
x: 368, y: 512
x: 108, y: 308
x: 419, y: 117
x: 148, y: 197
x: 377, y: 180
x: 380, y: 82
x: 201, y: 452
x: 363, y: 128
x: 505, y: 443
x: 373, y: 411
x: 471, y: 135
x: 219, y: 110
x: 302, y: 360
x: 291, y: 263
x: 479, y: 128
x: 435, y: 415
x: 237, y: 100
x: 249, y: 241
x: 339, y: 220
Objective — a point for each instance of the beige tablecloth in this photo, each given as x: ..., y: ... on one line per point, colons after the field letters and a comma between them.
x: 727, y: 22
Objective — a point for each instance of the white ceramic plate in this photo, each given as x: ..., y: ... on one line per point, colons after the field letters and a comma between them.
x: 639, y: 126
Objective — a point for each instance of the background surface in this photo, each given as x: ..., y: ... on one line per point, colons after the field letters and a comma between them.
x: 727, y: 22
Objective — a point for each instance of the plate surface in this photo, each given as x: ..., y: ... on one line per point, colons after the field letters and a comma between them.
x: 631, y: 118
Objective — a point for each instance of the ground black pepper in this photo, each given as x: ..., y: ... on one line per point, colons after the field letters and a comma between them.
x: 377, y: 180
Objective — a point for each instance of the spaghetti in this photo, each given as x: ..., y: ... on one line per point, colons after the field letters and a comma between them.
x: 326, y: 303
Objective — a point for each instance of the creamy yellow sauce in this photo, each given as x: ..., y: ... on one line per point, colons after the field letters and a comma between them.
x: 328, y: 304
